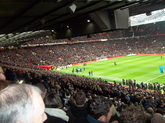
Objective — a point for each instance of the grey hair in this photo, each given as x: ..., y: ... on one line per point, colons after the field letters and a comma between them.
x: 16, y: 103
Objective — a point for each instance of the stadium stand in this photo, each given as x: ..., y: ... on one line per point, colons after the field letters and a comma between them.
x: 23, y: 64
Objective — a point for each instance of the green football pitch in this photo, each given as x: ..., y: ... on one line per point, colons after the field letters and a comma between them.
x: 142, y: 68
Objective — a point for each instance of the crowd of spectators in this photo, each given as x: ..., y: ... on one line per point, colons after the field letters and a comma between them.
x: 62, y: 55
x: 135, y: 40
x: 43, y: 40
x: 131, y: 104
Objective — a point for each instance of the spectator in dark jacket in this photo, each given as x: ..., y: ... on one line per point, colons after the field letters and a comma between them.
x: 100, y: 111
x: 79, y: 108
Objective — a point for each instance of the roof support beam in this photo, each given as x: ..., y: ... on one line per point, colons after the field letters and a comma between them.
x: 20, y: 14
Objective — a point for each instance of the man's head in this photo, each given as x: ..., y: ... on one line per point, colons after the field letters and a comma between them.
x: 53, y: 100
x: 21, y: 104
x: 148, y: 117
x: 42, y: 88
x: 101, y: 109
x: 159, y: 110
x: 150, y: 110
x: 157, y: 118
x: 132, y: 114
x: 80, y: 98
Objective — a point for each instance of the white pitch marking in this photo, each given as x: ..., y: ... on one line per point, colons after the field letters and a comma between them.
x: 155, y: 78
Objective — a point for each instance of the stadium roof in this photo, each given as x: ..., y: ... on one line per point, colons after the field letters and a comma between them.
x: 23, y: 20
x: 153, y: 17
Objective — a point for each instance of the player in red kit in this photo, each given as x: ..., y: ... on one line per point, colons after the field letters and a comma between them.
x: 115, y: 63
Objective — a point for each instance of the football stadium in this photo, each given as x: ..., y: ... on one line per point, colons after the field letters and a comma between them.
x: 82, y: 61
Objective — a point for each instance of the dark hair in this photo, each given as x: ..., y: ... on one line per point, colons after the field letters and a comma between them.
x: 80, y: 98
x: 150, y: 110
x: 159, y: 110
x: 132, y: 114
x: 41, y: 87
x: 53, y: 100
x: 99, y: 106
x: 148, y: 117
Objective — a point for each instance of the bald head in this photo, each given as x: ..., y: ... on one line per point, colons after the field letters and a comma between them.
x: 157, y: 118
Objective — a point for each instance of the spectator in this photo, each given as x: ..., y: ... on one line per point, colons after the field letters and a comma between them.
x: 21, y: 103
x: 159, y: 110
x: 42, y: 88
x: 114, y: 117
x: 11, y: 75
x: 150, y: 111
x: 36, y: 79
x: 148, y: 104
x: 157, y: 118
x: 79, y: 108
x: 54, y: 109
x: 132, y: 114
x: 100, y: 111
x: 148, y: 118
